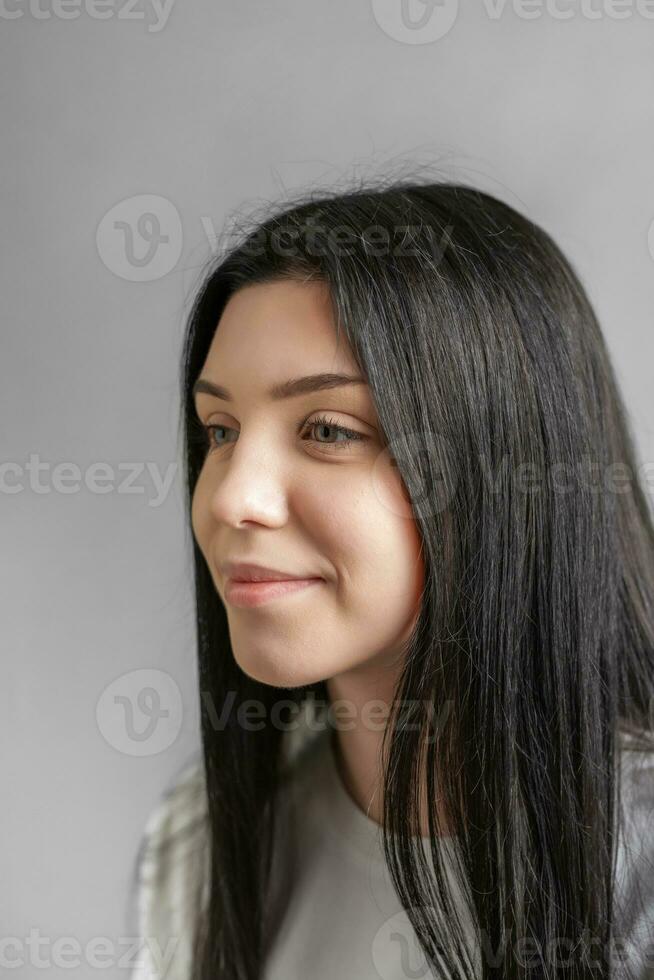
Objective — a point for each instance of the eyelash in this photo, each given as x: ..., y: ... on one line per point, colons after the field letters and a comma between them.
x: 302, y: 426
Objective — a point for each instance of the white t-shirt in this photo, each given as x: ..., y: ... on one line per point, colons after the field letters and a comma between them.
x: 344, y: 917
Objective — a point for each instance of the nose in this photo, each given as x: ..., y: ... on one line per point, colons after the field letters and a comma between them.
x: 250, y: 487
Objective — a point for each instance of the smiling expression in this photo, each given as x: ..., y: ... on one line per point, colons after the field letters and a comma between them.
x: 300, y: 480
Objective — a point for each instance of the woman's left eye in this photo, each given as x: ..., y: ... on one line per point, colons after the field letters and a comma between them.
x: 328, y: 423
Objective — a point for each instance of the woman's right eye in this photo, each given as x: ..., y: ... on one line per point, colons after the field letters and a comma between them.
x: 209, y: 430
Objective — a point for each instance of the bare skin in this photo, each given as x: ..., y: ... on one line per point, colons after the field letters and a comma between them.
x: 310, y: 502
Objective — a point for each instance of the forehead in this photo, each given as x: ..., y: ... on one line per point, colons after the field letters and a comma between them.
x: 276, y: 331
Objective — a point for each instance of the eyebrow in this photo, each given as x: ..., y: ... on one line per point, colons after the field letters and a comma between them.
x: 284, y: 389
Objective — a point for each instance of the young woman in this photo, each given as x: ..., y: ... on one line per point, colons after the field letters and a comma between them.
x: 427, y: 745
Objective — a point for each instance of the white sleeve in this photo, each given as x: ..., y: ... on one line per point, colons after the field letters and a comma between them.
x: 635, y: 870
x: 171, y: 867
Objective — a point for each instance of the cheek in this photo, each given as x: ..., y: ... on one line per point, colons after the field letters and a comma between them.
x: 200, y: 516
x: 393, y: 557
x: 374, y: 545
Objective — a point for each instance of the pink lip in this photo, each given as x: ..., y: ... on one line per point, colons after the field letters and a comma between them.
x: 249, y: 572
x: 256, y: 593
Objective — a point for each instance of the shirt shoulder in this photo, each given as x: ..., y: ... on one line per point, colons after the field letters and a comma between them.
x: 173, y: 863
x: 635, y: 857
x: 172, y: 874
x: 172, y: 877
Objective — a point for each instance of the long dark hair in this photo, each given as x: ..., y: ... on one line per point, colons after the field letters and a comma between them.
x: 536, y: 630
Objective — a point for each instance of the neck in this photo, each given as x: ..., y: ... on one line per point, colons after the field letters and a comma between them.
x: 366, y: 696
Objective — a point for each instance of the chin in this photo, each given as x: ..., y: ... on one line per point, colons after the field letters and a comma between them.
x: 276, y: 674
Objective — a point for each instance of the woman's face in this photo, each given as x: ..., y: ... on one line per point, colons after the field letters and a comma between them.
x: 276, y: 489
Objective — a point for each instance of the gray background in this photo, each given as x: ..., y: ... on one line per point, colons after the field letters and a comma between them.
x: 222, y: 107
